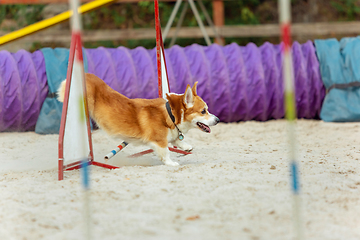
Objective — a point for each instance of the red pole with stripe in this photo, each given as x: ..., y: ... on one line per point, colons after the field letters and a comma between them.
x: 163, y: 79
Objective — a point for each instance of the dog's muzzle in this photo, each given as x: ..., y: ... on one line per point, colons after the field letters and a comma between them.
x: 203, y: 127
x: 206, y: 128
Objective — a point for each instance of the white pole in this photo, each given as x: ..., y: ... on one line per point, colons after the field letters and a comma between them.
x: 78, y: 77
x: 290, y: 113
x: 75, y: 19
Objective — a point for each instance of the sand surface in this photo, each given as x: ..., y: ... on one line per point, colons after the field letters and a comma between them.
x: 235, y: 185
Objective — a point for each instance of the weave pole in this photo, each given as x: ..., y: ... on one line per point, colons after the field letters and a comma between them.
x: 163, y: 80
x: 290, y: 112
x: 85, y: 133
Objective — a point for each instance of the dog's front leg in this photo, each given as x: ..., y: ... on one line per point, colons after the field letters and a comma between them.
x: 183, y: 145
x: 164, y: 154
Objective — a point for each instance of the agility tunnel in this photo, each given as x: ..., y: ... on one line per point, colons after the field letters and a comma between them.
x: 239, y: 83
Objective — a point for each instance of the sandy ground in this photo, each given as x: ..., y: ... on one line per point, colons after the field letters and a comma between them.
x: 235, y: 185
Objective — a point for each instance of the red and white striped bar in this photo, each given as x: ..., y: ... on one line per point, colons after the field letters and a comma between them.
x: 115, y: 151
x: 285, y: 22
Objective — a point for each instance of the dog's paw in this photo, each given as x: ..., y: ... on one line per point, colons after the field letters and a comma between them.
x: 184, y: 146
x: 171, y: 163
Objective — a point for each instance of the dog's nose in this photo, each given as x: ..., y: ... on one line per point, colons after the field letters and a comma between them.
x: 217, y: 120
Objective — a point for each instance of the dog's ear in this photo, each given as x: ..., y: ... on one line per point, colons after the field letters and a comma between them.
x: 194, y: 88
x: 188, y: 97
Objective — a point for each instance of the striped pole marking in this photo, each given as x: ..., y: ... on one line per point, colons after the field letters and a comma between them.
x: 290, y: 112
x: 115, y: 151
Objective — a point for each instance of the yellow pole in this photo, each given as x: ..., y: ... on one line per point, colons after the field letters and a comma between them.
x: 51, y: 21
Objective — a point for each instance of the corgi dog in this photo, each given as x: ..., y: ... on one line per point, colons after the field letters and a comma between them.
x: 155, y: 122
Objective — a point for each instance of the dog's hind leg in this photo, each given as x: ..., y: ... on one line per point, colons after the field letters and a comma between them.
x: 164, y: 154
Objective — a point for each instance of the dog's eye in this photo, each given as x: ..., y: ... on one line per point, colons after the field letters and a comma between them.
x: 203, y: 111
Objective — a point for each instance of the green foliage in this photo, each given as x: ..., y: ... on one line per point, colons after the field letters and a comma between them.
x: 94, y: 20
x: 241, y: 12
x: 147, y: 7
x: 2, y: 12
x: 23, y: 14
x: 248, y: 17
x: 118, y: 19
x: 348, y: 9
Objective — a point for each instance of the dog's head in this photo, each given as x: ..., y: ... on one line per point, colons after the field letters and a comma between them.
x: 196, y: 110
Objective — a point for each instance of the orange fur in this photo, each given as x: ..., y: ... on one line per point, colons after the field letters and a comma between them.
x: 123, y: 117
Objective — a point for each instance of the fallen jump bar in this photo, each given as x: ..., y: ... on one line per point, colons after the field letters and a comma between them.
x: 116, y: 150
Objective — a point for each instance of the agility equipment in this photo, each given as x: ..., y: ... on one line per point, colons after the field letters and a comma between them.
x: 75, y: 120
x: 290, y: 113
x: 75, y: 133
x: 51, y: 110
x: 163, y: 82
x: 339, y: 66
x: 163, y: 79
x: 239, y: 83
x: 23, y: 89
x: 116, y: 150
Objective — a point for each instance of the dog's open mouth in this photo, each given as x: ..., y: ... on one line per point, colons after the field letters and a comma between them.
x: 203, y: 127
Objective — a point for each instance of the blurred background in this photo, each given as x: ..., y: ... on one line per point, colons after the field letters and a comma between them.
x: 130, y: 23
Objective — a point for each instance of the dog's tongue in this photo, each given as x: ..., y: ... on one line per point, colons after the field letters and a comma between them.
x: 204, y: 127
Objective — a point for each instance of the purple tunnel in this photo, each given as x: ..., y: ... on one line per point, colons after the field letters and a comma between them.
x: 23, y: 89
x: 238, y: 83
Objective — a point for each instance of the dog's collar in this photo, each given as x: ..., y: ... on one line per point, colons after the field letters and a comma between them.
x: 168, y: 108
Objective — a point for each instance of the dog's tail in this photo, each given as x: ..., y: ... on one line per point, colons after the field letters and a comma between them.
x: 61, y: 91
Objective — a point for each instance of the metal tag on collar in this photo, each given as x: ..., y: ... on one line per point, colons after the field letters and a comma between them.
x: 181, y: 136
